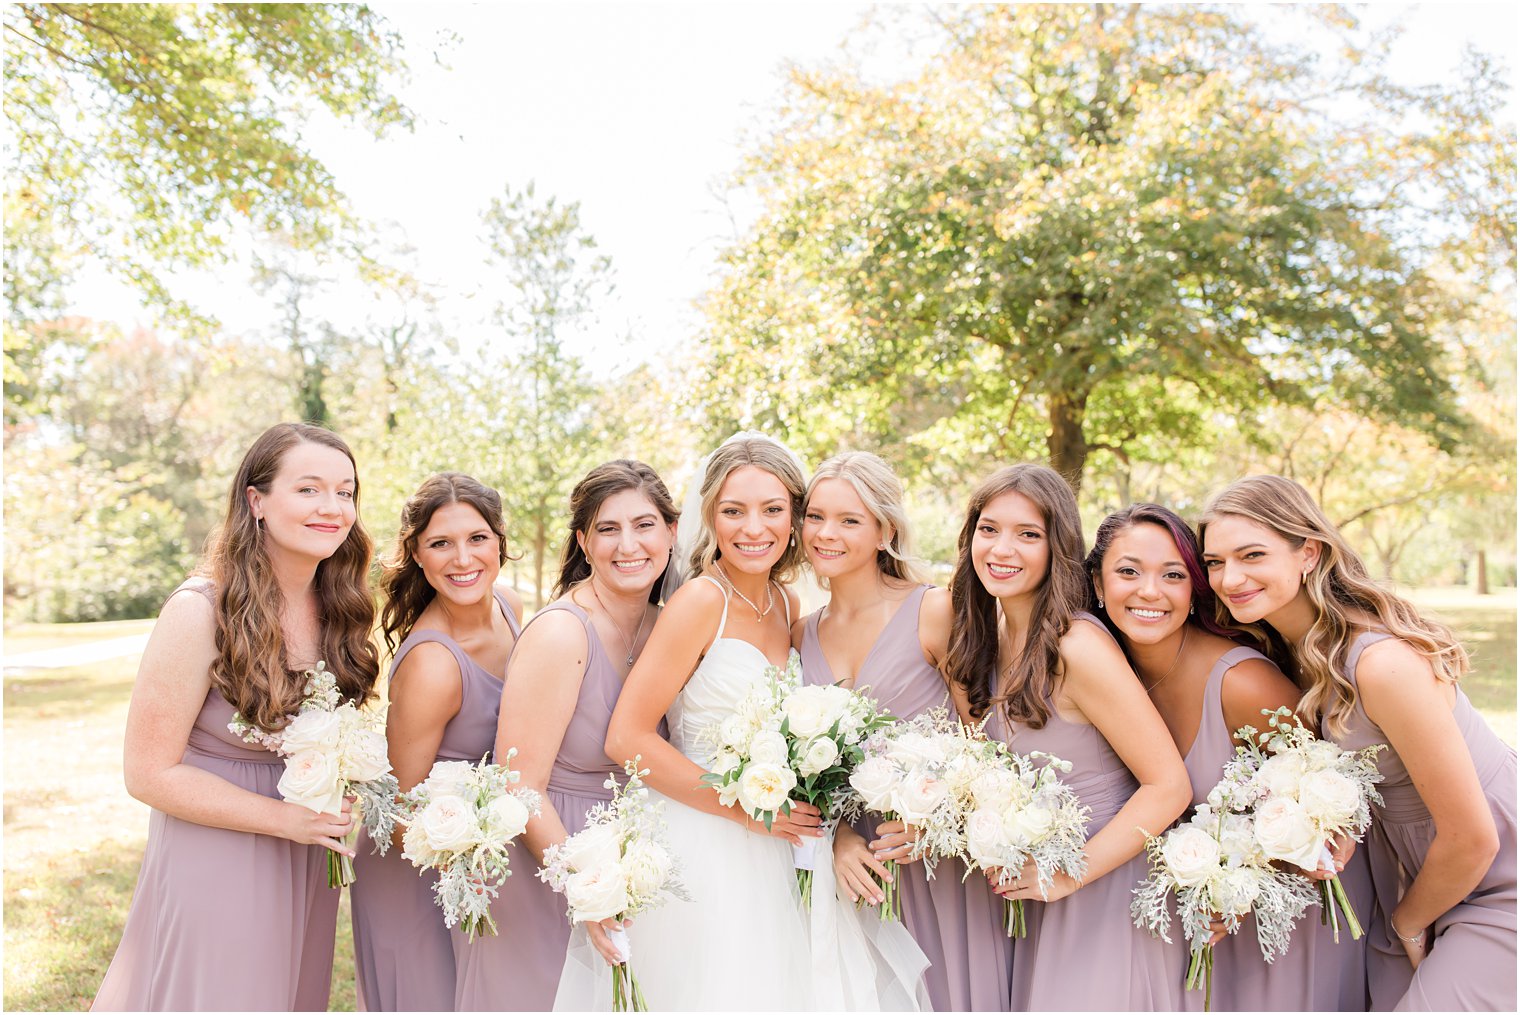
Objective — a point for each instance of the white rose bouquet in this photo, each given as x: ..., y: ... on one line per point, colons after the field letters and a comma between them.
x: 1214, y: 864
x: 1302, y: 792
x: 618, y: 866
x: 332, y: 750
x: 459, y: 821
x: 788, y: 741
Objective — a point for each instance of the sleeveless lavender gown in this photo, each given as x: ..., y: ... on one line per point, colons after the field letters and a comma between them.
x: 957, y: 925
x: 1316, y: 973
x: 1471, y: 964
x: 403, y: 957
x: 519, y: 969
x: 1083, y: 952
x: 224, y: 920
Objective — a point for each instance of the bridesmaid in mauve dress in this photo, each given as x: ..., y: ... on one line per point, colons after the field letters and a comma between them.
x: 562, y: 684
x: 886, y: 633
x: 1050, y: 678
x: 1151, y: 590
x: 1376, y: 672
x: 457, y: 629
x: 232, y: 909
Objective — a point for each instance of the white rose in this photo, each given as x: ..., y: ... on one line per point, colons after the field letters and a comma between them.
x: 1237, y: 840
x: 311, y: 731
x: 768, y: 748
x: 1235, y: 891
x: 647, y: 865
x: 985, y: 841
x: 1279, y: 775
x: 993, y: 788
x: 735, y: 731
x: 1190, y: 854
x: 592, y: 847
x: 597, y: 894
x: 764, y: 787
x: 1329, y: 798
x: 450, y: 778
x: 1323, y: 754
x: 1027, y: 825
x: 506, y: 817
x: 449, y: 824
x: 1286, y: 832
x: 918, y: 796
x: 819, y: 756
x: 875, y: 779
x: 916, y: 749
x: 365, y: 755
x: 726, y: 761
x: 311, y: 780
x: 811, y: 711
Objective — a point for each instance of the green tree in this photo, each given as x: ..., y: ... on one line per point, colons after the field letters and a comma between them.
x: 1087, y: 224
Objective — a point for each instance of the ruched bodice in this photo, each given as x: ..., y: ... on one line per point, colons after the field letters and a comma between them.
x: 894, y: 671
x: 210, y: 737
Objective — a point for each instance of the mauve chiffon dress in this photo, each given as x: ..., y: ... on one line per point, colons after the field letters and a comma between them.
x: 1316, y: 973
x: 403, y: 956
x: 1471, y: 964
x: 958, y: 925
x: 225, y: 920
x: 519, y: 968
x: 1084, y: 952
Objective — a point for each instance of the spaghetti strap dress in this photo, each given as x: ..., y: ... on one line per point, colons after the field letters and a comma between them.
x: 519, y: 968
x: 224, y: 920
x: 955, y: 920
x: 1317, y: 973
x: 1471, y: 964
x: 1083, y: 952
x: 403, y: 956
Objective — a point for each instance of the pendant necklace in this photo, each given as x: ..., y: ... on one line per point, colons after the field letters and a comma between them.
x: 770, y: 599
x: 1175, y: 660
x: 627, y: 644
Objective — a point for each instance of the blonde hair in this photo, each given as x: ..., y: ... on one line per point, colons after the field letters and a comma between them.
x: 882, y: 494
x: 762, y: 453
x: 1337, y: 584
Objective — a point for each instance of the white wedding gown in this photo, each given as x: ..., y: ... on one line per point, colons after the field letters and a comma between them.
x: 745, y: 941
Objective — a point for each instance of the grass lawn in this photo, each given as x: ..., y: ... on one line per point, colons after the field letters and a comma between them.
x: 74, y: 839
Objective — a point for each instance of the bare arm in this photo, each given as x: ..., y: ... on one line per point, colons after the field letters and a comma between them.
x: 172, y: 682
x: 1251, y: 687
x: 426, y: 692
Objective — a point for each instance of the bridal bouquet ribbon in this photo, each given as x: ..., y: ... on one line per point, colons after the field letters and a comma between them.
x: 788, y: 741
x: 1302, y: 792
x: 332, y: 750
x: 460, y: 821
x: 617, y: 867
x: 1214, y: 865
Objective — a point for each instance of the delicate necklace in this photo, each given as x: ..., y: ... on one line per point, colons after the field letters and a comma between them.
x: 770, y: 599
x: 627, y: 643
x: 1175, y: 660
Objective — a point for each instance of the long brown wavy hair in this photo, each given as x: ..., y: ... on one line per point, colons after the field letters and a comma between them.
x: 252, y: 669
x: 1338, y: 584
x: 1025, y: 691
x: 406, y: 588
x: 607, y: 480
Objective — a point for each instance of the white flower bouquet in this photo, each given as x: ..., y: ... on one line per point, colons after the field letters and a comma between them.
x: 459, y: 821
x: 1213, y: 864
x: 788, y: 741
x: 1302, y: 792
x: 332, y: 750
x: 617, y: 867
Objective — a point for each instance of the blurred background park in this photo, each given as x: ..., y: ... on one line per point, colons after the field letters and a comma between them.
x: 1158, y: 247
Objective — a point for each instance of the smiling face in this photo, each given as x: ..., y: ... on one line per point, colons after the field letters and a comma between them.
x: 459, y: 554
x: 752, y: 520
x: 1254, y: 570
x: 839, y: 533
x: 309, y: 507
x: 628, y: 543
x: 1010, y: 549
x: 1144, y: 584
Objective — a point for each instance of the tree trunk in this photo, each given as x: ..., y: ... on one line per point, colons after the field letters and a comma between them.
x: 1067, y: 441
x: 1482, y: 573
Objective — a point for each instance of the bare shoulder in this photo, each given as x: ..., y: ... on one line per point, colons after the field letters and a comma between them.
x: 1084, y: 638
x: 187, y: 623
x: 1392, y: 665
x: 936, y: 617
x: 695, y: 601
x: 1253, y: 686
x: 553, y: 630
x: 513, y: 600
x: 429, y: 668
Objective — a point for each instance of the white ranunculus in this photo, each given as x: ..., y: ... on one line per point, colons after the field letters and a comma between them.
x: 764, y: 787
x: 875, y: 779
x: 1286, y: 832
x: 365, y: 755
x: 811, y: 711
x: 726, y: 761
x: 735, y: 730
x: 311, y: 780
x: 592, y: 847
x: 597, y: 894
x: 1190, y: 854
x: 1322, y: 754
x: 1237, y: 839
x: 918, y: 796
x: 1235, y: 890
x: 986, y: 842
x: 768, y: 748
x: 1027, y: 825
x: 994, y: 788
x: 913, y: 748
x: 1279, y: 775
x: 506, y: 817
x: 647, y: 865
x: 449, y: 824
x: 450, y: 778
x: 1329, y: 798
x: 819, y: 756
x: 311, y: 731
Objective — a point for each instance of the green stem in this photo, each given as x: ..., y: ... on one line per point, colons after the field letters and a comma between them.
x: 1337, y: 892
x: 1013, y: 918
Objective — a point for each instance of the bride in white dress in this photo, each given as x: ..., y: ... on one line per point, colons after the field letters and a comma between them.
x: 745, y: 941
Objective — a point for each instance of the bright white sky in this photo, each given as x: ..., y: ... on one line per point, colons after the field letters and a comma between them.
x: 636, y: 110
